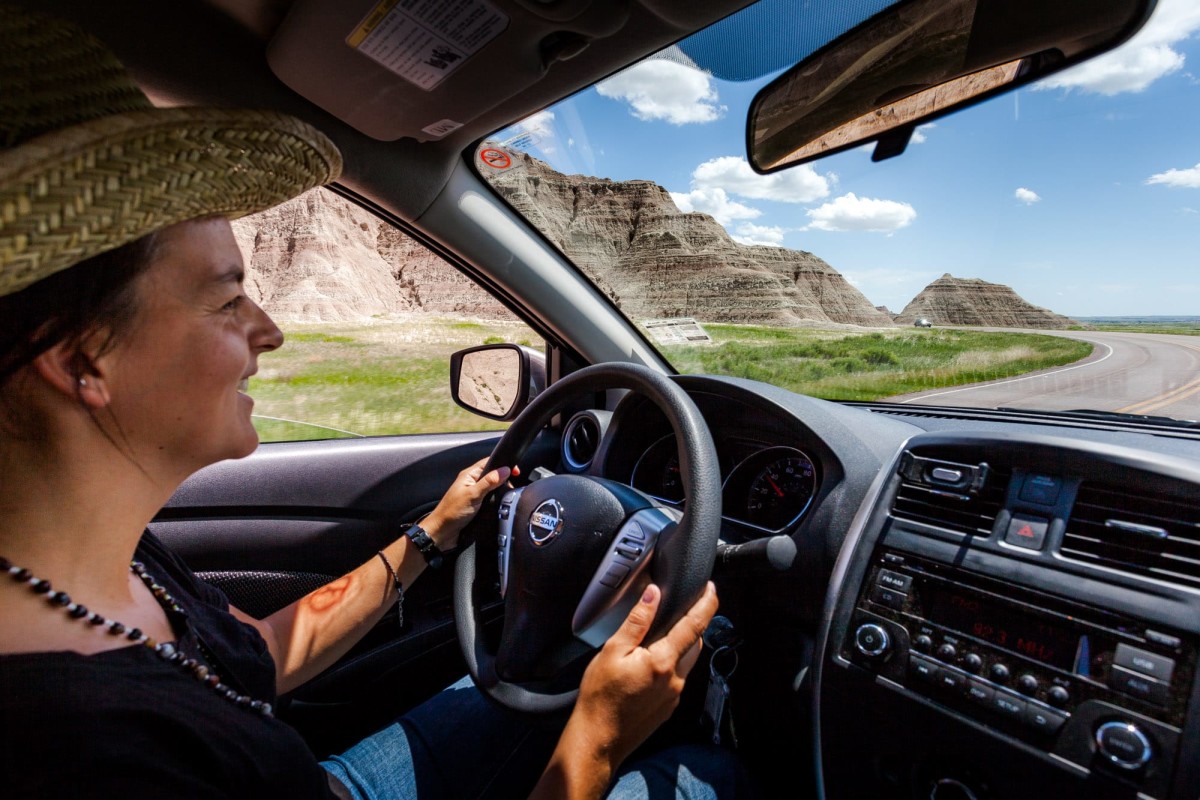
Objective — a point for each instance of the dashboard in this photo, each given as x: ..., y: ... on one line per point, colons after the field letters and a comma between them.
x: 985, y: 604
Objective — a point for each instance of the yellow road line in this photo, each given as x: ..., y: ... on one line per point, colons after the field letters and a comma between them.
x: 1166, y: 398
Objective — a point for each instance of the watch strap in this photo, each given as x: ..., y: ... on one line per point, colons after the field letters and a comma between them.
x: 425, y: 545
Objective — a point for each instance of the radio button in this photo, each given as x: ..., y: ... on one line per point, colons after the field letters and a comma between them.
x: 1155, y: 666
x: 1137, y: 685
x: 972, y: 663
x: 894, y: 580
x: 1165, y: 639
x: 872, y: 640
x: 1043, y: 719
x: 923, y: 643
x: 999, y: 673
x: 1058, y: 695
x: 923, y: 668
x: 946, y: 652
x: 1027, y: 683
x: 980, y: 692
x: 952, y: 681
x: 1124, y: 744
x: 886, y: 597
x: 1008, y: 704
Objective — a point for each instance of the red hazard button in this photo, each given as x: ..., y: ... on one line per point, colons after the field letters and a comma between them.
x: 1026, y: 531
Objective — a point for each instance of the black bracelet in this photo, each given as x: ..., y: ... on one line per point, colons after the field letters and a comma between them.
x: 425, y: 545
x: 396, y: 583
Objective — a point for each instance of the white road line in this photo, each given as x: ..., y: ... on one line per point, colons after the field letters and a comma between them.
x: 1016, y: 380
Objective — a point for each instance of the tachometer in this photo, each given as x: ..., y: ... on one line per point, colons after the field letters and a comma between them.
x: 657, y: 471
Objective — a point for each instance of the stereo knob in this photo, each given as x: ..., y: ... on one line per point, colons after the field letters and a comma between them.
x: 946, y: 652
x: 872, y: 640
x: 923, y: 643
x: 1058, y: 695
x: 1124, y: 745
x: 972, y: 663
x: 1027, y: 683
x: 999, y: 673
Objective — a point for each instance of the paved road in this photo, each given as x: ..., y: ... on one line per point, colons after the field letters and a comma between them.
x: 1137, y: 373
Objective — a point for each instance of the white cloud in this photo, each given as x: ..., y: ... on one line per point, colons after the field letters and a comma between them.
x: 714, y: 201
x: 797, y: 185
x: 666, y: 90
x: 749, y: 233
x: 1142, y: 60
x: 852, y: 213
x: 1026, y: 196
x: 1186, y: 178
x: 919, y: 136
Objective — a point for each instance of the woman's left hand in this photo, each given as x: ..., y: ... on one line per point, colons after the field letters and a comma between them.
x: 462, y: 501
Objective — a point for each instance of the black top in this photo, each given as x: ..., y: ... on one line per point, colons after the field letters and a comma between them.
x: 124, y: 723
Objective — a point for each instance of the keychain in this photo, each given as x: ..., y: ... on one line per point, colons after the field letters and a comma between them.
x: 717, y: 698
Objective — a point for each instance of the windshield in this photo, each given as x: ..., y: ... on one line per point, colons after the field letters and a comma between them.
x: 1035, y: 251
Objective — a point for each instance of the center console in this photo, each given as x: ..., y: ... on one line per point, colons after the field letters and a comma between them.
x: 996, y: 636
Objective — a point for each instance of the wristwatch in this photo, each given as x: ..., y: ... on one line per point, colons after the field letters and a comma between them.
x: 425, y: 545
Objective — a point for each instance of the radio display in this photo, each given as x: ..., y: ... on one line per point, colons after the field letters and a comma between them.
x: 973, y: 615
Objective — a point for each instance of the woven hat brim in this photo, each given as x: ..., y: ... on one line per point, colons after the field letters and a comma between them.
x: 72, y: 194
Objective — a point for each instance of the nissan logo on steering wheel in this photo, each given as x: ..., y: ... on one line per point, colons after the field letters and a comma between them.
x: 545, y: 523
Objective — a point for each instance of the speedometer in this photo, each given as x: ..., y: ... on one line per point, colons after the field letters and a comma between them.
x: 772, y: 488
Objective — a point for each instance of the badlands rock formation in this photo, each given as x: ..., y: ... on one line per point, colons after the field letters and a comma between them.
x: 655, y: 261
x: 320, y: 258
x: 971, y: 301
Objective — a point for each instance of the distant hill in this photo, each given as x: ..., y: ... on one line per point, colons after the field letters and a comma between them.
x: 971, y: 301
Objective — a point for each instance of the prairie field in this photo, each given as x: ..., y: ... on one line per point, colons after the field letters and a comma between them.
x: 392, y: 377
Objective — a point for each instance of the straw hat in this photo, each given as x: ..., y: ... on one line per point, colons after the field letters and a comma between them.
x: 88, y: 164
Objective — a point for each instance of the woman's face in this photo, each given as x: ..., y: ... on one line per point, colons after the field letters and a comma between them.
x: 176, y: 381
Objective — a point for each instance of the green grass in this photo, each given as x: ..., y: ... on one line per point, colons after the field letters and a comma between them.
x: 871, y: 366
x: 377, y: 379
x: 393, y: 377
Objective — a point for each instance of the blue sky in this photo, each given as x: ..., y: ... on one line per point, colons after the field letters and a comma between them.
x: 1083, y: 194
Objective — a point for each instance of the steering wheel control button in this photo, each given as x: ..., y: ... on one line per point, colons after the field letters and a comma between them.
x: 1124, y: 745
x: 886, y: 597
x: 894, y: 580
x: 972, y: 663
x: 629, y: 550
x: 923, y: 668
x: 505, y: 510
x: 1137, y: 685
x: 616, y: 573
x: 980, y: 692
x: 1027, y: 684
x: 1147, y: 663
x: 634, y: 531
x: 1043, y: 719
x: 1058, y: 695
x: 999, y: 673
x: 946, y: 652
x: 1008, y: 704
x: 1026, y: 531
x: 872, y: 640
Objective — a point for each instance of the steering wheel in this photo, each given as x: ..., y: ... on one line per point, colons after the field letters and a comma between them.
x: 573, y: 553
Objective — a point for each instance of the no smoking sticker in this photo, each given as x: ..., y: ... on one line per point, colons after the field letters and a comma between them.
x: 496, y: 159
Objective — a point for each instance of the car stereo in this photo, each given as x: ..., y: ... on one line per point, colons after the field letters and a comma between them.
x: 1081, y: 683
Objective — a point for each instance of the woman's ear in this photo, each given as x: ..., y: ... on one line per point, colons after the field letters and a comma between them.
x: 66, y: 369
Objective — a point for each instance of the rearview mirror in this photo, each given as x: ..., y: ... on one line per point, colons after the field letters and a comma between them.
x: 920, y: 60
x: 497, y: 381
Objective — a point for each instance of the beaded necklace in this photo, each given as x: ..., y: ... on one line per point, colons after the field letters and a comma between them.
x: 164, y: 650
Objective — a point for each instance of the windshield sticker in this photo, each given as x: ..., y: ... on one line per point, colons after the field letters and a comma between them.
x: 496, y: 159
x: 424, y: 42
x: 680, y: 330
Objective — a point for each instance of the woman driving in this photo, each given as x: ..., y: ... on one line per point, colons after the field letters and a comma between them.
x: 126, y: 342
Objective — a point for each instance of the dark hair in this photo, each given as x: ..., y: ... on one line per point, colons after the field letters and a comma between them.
x: 95, y: 295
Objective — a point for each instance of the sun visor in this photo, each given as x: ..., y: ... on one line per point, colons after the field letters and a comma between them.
x: 422, y: 68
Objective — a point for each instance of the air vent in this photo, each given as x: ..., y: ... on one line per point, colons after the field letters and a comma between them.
x: 930, y: 494
x: 1138, y: 533
x: 581, y: 439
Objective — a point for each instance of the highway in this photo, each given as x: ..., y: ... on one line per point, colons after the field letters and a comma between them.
x: 1136, y: 373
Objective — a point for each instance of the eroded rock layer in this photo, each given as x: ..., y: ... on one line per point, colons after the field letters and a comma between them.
x: 971, y: 301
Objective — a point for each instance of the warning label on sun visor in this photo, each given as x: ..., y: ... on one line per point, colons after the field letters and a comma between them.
x: 424, y: 41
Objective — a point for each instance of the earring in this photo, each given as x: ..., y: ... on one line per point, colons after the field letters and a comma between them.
x: 82, y: 382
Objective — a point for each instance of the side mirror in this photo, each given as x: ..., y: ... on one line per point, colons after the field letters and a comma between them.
x: 497, y: 381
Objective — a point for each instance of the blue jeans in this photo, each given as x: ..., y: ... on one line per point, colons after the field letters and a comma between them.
x: 459, y: 745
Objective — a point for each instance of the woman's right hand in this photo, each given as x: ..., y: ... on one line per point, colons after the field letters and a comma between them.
x: 627, y: 692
